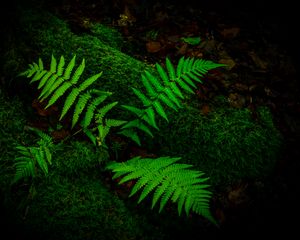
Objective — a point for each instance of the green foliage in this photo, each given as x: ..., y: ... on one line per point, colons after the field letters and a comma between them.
x: 169, y: 181
x: 166, y: 90
x: 103, y: 125
x: 30, y: 157
x: 55, y: 82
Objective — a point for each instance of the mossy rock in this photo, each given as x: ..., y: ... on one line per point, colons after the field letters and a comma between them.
x: 65, y: 208
x: 228, y: 144
x: 42, y: 34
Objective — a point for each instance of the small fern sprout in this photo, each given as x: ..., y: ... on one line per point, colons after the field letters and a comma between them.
x: 103, y: 125
x: 30, y: 158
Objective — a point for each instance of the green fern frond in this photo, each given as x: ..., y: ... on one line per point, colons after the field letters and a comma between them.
x: 167, y: 90
x: 58, y: 93
x: 60, y: 66
x: 80, y: 106
x: 168, y: 180
x: 53, y: 64
x: 60, y: 82
x: 86, y: 83
x: 102, y: 111
x: 69, y: 68
x: 114, y: 122
x: 31, y: 157
x: 78, y: 73
x: 131, y: 134
x: 69, y: 102
x: 91, y: 110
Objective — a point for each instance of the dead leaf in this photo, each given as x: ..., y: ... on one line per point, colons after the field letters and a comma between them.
x: 228, y: 61
x: 40, y: 108
x: 236, y: 100
x: 182, y: 50
x: 153, y: 46
x: 258, y: 61
x: 205, y: 109
x: 238, y: 194
x: 230, y: 33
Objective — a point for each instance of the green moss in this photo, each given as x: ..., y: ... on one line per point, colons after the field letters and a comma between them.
x: 78, y: 158
x: 227, y: 144
x: 12, y: 120
x: 78, y: 209
x: 108, y: 35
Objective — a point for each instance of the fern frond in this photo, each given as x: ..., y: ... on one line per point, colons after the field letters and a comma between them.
x: 146, y: 102
x: 162, y: 74
x: 91, y: 110
x: 78, y: 73
x: 168, y: 180
x: 85, y: 84
x: 53, y: 84
x: 47, y: 86
x: 44, y: 79
x: 58, y: 93
x: 69, y: 101
x: 53, y: 64
x: 28, y: 157
x: 80, y: 106
x: 168, y: 88
x: 160, y: 110
x: 60, y: 66
x: 130, y: 133
x: 24, y: 168
x: 69, y: 68
x: 102, y: 111
x: 170, y: 69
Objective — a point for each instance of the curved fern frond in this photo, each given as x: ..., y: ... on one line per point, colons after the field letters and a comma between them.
x: 168, y: 180
x: 168, y: 88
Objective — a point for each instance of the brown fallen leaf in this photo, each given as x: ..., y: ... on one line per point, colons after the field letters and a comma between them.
x: 40, y: 108
x: 236, y: 100
x: 230, y: 33
x: 263, y: 65
x: 229, y: 62
x: 205, y: 109
x: 153, y: 46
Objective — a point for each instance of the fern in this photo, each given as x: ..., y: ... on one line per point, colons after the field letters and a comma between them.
x: 31, y: 157
x: 56, y: 82
x: 166, y: 90
x: 168, y: 180
x: 103, y: 125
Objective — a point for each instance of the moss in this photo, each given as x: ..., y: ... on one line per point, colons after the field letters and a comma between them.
x: 46, y: 34
x: 12, y: 120
x: 108, y: 35
x: 78, y: 209
x: 227, y: 144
